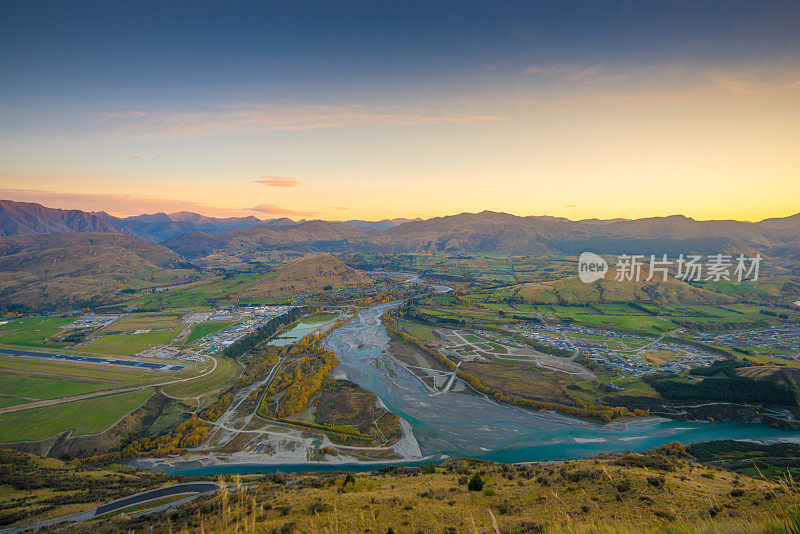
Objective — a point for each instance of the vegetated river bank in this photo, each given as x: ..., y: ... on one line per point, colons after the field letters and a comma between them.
x: 457, y: 424
x: 469, y: 425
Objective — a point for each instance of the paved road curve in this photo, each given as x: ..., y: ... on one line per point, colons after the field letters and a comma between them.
x: 198, y: 488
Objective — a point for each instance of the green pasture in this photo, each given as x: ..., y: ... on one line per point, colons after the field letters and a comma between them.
x: 420, y: 331
x: 203, y: 329
x: 222, y: 378
x: 30, y: 388
x: 33, y: 331
x: 127, y: 344
x: 90, y: 416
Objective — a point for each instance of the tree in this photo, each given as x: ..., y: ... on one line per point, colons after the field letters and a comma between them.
x: 430, y: 468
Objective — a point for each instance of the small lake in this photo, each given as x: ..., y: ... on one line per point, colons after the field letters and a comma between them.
x: 298, y: 331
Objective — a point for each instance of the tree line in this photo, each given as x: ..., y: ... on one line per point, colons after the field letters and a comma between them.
x: 250, y: 341
x: 735, y: 389
x: 303, y: 379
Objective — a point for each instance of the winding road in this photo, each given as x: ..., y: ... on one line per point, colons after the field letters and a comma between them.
x: 195, y: 488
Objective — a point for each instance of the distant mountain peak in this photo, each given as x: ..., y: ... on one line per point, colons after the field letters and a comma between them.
x: 24, y: 218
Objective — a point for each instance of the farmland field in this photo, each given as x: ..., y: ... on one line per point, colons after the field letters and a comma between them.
x: 127, y: 344
x: 207, y: 293
x: 203, y: 329
x: 417, y: 330
x: 645, y: 323
x: 83, y: 417
x: 32, y: 331
x: 29, y: 388
x: 113, y: 375
x: 224, y: 375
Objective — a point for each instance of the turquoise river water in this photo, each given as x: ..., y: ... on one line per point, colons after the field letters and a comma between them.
x: 458, y: 424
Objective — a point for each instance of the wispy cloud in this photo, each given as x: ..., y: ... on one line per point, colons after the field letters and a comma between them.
x: 278, y: 181
x: 272, y: 209
x: 114, y: 203
x: 253, y: 117
x: 569, y: 73
x: 655, y: 84
x: 748, y: 86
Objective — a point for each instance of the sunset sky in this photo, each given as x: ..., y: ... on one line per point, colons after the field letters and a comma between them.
x: 377, y: 110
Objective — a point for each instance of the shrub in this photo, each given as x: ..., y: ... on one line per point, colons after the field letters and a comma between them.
x: 475, y: 483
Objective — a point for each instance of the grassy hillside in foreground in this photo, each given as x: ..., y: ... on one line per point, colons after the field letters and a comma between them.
x: 658, y: 491
x: 46, y: 488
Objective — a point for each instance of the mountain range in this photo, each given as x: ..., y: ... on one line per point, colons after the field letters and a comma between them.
x: 193, y: 235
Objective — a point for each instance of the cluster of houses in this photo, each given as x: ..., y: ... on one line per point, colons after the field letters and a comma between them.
x: 638, y: 365
x: 784, y: 337
x: 172, y: 352
x: 633, y: 362
x: 253, y: 318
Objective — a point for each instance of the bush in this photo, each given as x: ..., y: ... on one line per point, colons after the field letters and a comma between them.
x: 475, y: 483
x: 623, y: 486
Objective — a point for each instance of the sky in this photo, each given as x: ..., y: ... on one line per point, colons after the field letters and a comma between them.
x: 372, y: 110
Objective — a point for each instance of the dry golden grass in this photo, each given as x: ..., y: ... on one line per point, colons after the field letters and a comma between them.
x: 585, y: 496
x: 758, y: 372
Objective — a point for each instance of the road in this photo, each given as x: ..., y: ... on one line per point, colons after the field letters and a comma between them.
x: 197, y: 488
x: 514, y: 354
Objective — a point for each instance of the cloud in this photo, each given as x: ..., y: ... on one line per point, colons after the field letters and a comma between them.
x: 741, y: 85
x: 568, y: 73
x: 272, y: 209
x: 656, y: 85
x: 256, y: 117
x: 278, y: 181
x: 113, y: 203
